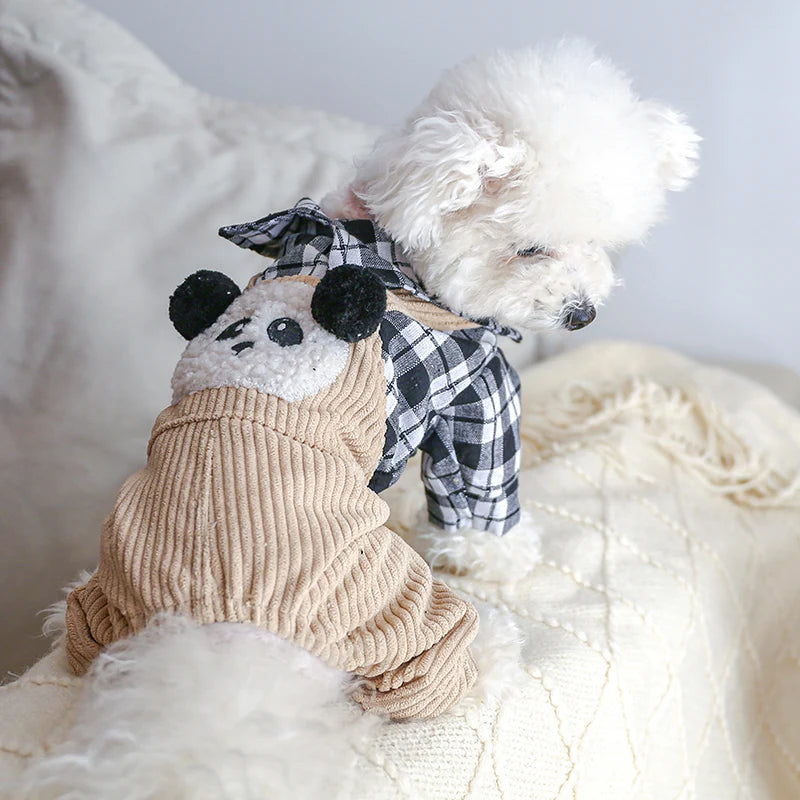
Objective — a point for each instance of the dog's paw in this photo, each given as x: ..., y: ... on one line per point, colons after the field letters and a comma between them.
x: 478, y: 554
x: 497, y: 650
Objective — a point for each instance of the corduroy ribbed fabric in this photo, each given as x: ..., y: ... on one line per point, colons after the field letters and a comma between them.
x: 253, y: 509
x: 433, y: 316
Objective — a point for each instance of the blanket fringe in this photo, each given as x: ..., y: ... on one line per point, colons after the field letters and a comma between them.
x: 693, y: 430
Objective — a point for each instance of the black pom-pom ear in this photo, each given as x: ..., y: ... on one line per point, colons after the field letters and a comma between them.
x: 349, y: 302
x: 200, y: 300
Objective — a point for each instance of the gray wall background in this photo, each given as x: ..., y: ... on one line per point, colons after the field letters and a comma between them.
x: 719, y: 280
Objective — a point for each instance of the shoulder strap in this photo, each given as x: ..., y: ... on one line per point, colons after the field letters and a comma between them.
x: 425, y: 312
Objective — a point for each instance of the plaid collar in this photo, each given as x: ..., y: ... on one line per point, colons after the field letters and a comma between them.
x: 303, y: 240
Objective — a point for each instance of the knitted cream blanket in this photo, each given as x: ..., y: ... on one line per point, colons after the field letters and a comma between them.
x: 658, y: 640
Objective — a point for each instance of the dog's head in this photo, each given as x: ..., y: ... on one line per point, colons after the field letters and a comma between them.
x: 518, y: 175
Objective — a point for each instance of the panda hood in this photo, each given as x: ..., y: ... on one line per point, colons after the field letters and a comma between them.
x: 267, y: 339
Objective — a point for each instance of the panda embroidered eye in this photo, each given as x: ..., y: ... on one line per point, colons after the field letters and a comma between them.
x: 285, y: 332
x: 233, y: 330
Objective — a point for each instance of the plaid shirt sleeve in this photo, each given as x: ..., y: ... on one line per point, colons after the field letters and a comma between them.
x: 471, y: 454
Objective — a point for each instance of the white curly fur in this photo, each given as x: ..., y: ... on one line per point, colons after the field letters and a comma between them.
x: 546, y: 148
x: 187, y: 711
x: 497, y: 650
x: 191, y: 712
x: 481, y: 555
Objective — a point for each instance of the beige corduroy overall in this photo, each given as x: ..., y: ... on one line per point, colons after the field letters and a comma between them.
x: 253, y: 509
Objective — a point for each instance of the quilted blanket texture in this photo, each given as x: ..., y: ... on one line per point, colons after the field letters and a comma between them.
x: 660, y: 632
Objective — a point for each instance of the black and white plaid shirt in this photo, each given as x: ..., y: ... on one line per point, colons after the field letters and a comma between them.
x: 452, y: 394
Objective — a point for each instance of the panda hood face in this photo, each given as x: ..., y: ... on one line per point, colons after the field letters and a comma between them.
x: 283, y: 337
x: 268, y: 340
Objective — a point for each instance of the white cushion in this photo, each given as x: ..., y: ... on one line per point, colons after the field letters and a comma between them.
x: 115, y: 178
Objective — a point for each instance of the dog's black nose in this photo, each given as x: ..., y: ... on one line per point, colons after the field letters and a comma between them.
x: 579, y: 317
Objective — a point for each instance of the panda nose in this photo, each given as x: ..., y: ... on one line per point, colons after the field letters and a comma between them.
x: 579, y: 317
x: 285, y: 332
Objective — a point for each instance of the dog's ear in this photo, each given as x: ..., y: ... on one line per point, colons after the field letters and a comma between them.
x: 435, y: 166
x: 349, y: 302
x: 200, y: 300
x: 676, y: 143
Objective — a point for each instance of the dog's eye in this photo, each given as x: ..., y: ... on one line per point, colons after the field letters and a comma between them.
x: 536, y: 250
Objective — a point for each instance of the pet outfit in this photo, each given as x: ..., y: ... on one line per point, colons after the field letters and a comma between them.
x: 255, y: 509
x: 450, y: 391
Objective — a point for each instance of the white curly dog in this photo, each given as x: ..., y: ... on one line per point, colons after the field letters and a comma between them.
x: 519, y: 175
x: 511, y: 188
